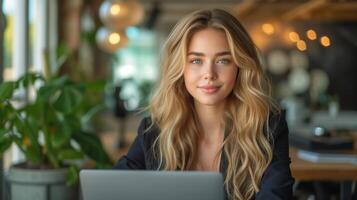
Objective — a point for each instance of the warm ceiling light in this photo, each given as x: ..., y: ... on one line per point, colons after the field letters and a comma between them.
x: 311, y: 34
x: 115, y: 9
x: 301, y: 45
x: 109, y: 40
x: 119, y: 14
x: 114, y: 38
x: 294, y: 36
x: 268, y: 28
x: 325, y: 41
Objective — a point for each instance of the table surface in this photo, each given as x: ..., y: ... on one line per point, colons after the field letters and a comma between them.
x: 309, y: 171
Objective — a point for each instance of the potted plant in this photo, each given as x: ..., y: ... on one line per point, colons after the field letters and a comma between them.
x: 51, y: 132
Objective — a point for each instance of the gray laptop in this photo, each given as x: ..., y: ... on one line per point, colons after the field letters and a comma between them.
x: 151, y: 185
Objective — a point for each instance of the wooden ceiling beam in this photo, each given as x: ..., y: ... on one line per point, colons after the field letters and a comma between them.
x: 304, y: 9
x: 315, y: 10
x: 244, y: 8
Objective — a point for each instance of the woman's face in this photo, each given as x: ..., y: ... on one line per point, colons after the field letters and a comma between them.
x: 210, y: 72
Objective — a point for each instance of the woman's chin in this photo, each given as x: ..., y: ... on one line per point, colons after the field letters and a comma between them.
x: 210, y: 101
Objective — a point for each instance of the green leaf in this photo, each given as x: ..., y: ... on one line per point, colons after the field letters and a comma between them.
x: 4, y: 109
x: 18, y: 141
x: 30, y: 79
x: 97, y: 86
x: 92, y: 146
x: 5, y: 143
x: 59, y: 82
x: 2, y: 132
x: 69, y: 99
x: 61, y: 136
x: 46, y: 93
x: 7, y: 89
x: 28, y: 130
x: 92, y: 112
x: 49, y: 151
x: 62, y: 53
x: 50, y: 116
x: 74, y: 122
x: 32, y: 154
x: 36, y: 110
x: 49, y: 92
x: 28, y: 141
x: 70, y: 154
x: 72, y: 175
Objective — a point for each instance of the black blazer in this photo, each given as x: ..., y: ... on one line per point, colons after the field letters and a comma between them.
x: 276, y: 183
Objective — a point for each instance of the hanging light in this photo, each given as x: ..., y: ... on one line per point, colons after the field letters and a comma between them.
x: 325, y: 41
x: 268, y: 28
x: 115, y: 9
x: 294, y: 36
x: 109, y: 40
x: 118, y: 14
x: 311, y: 34
x: 301, y: 45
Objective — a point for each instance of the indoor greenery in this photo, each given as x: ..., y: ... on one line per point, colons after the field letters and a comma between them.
x: 51, y: 129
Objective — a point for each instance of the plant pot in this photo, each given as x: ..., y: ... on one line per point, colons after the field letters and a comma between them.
x: 40, y: 184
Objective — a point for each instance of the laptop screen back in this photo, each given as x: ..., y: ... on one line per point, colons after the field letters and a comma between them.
x: 151, y: 185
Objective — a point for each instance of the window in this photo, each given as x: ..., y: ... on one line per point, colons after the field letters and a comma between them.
x: 8, y: 9
x: 136, y: 68
x: 22, y: 29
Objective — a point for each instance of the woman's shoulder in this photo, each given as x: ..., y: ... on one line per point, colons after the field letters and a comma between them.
x: 277, y: 124
x: 148, y: 130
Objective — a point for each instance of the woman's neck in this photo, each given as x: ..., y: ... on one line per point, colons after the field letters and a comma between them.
x: 210, y: 118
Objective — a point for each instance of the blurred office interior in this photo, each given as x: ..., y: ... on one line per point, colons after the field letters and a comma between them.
x: 308, y: 49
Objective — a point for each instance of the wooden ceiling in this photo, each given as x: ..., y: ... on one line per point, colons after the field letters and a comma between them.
x: 258, y: 10
x: 294, y: 10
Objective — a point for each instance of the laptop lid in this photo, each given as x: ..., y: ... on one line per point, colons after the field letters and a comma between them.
x: 151, y: 185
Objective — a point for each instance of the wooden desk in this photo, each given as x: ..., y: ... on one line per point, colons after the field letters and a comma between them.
x: 344, y: 173
x: 308, y: 171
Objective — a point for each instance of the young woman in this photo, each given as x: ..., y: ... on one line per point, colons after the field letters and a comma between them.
x: 212, y: 111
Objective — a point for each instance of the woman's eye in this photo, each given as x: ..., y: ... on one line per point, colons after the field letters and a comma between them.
x: 196, y: 61
x: 223, y: 61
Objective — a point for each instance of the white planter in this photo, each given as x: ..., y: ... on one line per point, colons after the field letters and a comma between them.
x: 35, y: 184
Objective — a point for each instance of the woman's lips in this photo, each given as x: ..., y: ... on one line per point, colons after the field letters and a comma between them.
x: 209, y: 89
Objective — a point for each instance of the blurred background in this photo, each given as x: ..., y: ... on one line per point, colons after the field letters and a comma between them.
x: 307, y: 47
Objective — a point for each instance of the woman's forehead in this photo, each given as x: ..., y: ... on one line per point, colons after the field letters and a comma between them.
x: 208, y: 41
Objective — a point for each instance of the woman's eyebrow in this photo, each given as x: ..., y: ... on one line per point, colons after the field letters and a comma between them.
x: 195, y: 54
x: 202, y: 54
x: 223, y: 53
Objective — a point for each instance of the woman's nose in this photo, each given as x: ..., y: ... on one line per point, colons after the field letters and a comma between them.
x: 210, y: 73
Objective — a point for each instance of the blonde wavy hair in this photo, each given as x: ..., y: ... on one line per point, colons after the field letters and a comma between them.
x: 247, y: 145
